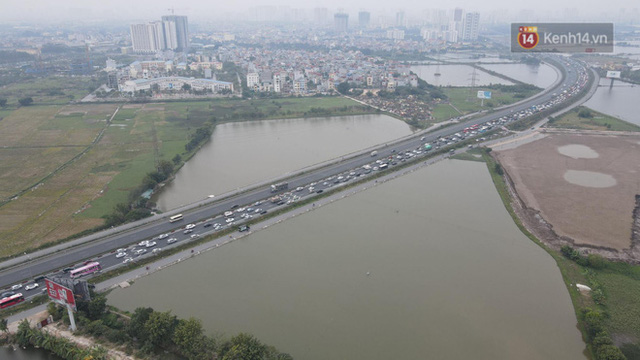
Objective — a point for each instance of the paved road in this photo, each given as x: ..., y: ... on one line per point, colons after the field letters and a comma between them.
x: 70, y: 257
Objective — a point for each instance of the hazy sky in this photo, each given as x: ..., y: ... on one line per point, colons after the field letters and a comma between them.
x: 61, y: 10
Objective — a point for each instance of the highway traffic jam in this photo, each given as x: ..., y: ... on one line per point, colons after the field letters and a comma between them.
x: 281, y: 195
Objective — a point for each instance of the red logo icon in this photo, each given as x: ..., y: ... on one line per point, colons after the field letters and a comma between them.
x: 528, y: 37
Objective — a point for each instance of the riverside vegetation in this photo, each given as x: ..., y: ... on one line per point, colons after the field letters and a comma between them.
x: 608, y: 317
x: 146, y: 334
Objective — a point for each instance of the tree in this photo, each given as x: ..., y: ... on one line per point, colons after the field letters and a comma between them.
x: 243, y: 347
x: 3, y: 102
x: 160, y: 328
x: 186, y: 87
x: 585, y: 113
x: 136, y: 328
x: 190, y: 340
x: 609, y: 352
x: 25, y: 101
x: 165, y: 168
x: 343, y: 88
x: 97, y: 307
x: 176, y: 159
x: 4, y: 325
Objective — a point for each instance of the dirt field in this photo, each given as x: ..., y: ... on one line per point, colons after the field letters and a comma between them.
x: 584, y: 195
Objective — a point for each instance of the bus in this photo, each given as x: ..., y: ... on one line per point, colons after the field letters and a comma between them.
x: 279, y: 187
x: 87, y: 269
x: 11, y: 300
x: 175, y: 218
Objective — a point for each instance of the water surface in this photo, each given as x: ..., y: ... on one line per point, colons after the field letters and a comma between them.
x: 455, y: 75
x: 244, y: 153
x: 450, y: 277
x: 541, y: 75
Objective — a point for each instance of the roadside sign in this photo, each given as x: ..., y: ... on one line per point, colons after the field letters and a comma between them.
x: 484, y: 94
x: 60, y: 294
x: 613, y: 74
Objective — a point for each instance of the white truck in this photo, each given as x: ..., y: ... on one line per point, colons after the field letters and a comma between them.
x: 374, y: 153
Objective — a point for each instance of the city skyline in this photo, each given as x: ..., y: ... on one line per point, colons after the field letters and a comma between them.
x: 38, y: 10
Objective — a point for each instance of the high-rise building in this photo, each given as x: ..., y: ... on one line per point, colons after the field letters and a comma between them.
x: 341, y: 22
x: 471, y: 26
x: 400, y: 18
x: 147, y: 38
x: 364, y: 19
x: 177, y: 27
x: 457, y: 14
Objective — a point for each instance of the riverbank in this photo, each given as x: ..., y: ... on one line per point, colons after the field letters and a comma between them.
x: 596, y: 312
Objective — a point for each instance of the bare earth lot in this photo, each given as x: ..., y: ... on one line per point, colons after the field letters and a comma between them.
x: 583, y: 186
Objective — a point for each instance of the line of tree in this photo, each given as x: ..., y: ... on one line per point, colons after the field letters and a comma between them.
x: 201, y: 135
x: 148, y: 332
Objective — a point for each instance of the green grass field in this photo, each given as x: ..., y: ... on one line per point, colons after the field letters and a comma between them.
x: 598, y: 121
x: 52, y: 90
x: 443, y: 112
x: 39, y: 139
x: 465, y: 100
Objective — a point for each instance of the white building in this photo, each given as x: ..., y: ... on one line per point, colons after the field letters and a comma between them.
x: 277, y: 82
x: 253, y: 80
x: 395, y: 34
x: 175, y: 83
x: 471, y: 26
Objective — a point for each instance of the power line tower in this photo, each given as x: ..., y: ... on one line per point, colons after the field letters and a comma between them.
x: 473, y: 79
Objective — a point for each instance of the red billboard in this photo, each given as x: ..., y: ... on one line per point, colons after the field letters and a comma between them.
x: 60, y: 294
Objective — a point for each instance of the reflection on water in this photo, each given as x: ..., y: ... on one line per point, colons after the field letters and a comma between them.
x: 541, y: 76
x: 455, y: 75
x: 244, y: 153
x: 621, y: 101
x: 449, y: 277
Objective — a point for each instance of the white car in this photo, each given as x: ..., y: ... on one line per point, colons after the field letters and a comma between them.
x: 172, y: 240
x: 121, y: 255
x: 127, y: 260
x: 240, y: 210
x: 121, y: 250
x: 228, y: 213
x: 31, y: 286
x: 229, y: 220
x: 140, y: 251
x: 195, y: 236
x: 16, y: 287
x: 156, y: 250
x: 143, y: 243
x: 190, y: 226
x: 299, y: 188
x: 162, y: 236
x: 151, y: 244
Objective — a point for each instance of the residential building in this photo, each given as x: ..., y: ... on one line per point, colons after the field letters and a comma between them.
x: 471, y: 26
x: 364, y: 19
x: 341, y: 22
x: 178, y: 28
